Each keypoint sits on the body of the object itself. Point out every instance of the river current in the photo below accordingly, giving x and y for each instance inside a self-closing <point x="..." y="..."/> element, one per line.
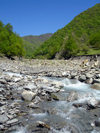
<point x="62" y="116"/>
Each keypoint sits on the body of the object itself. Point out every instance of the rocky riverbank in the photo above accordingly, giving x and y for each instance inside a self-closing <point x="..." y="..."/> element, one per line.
<point x="27" y="86"/>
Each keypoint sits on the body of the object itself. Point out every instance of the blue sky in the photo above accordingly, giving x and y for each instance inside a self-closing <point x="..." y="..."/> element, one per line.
<point x="35" y="17"/>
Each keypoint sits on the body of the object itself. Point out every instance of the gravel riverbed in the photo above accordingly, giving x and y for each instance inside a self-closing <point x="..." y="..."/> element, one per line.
<point x="50" y="96"/>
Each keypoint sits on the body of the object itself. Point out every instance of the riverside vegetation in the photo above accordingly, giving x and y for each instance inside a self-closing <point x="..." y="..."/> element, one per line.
<point x="80" y="37"/>
<point x="10" y="43"/>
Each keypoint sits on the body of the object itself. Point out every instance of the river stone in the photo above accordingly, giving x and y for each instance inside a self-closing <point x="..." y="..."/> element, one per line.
<point x="54" y="96"/>
<point x="57" y="84"/>
<point x="96" y="81"/>
<point x="93" y="102"/>
<point x="37" y="100"/>
<point x="49" y="89"/>
<point x="3" y="81"/>
<point x="72" y="96"/>
<point x="97" y="123"/>
<point x="1" y="127"/>
<point x="97" y="75"/>
<point x="73" y="74"/>
<point x="33" y="105"/>
<point x="11" y="122"/>
<point x="30" y="87"/>
<point x="43" y="124"/>
<point x="82" y="78"/>
<point x="2" y="103"/>
<point x="96" y="86"/>
<point x="16" y="79"/>
<point x="2" y="89"/>
<point x="89" y="81"/>
<point x="88" y="75"/>
<point x="28" y="95"/>
<point x="65" y="74"/>
<point x="3" y="118"/>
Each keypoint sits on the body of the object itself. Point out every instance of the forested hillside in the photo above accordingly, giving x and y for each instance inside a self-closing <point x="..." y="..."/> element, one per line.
<point x="10" y="43"/>
<point x="80" y="37"/>
<point x="32" y="42"/>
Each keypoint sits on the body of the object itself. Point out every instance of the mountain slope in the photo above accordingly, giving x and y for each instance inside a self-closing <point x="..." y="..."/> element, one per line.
<point x="74" y="38"/>
<point x="32" y="42"/>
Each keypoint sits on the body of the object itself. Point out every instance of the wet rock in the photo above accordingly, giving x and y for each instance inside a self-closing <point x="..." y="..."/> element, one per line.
<point x="16" y="79"/>
<point x="97" y="123"/>
<point x="28" y="95"/>
<point x="73" y="75"/>
<point x="50" y="89"/>
<point x="96" y="81"/>
<point x="82" y="78"/>
<point x="89" y="76"/>
<point x="77" y="105"/>
<point x="3" y="118"/>
<point x="37" y="100"/>
<point x="97" y="75"/>
<point x="90" y="107"/>
<point x="1" y="127"/>
<point x="93" y="101"/>
<point x="2" y="81"/>
<point x="2" y="103"/>
<point x="10" y="116"/>
<point x="89" y="81"/>
<point x="96" y="63"/>
<point x="65" y="74"/>
<point x="57" y="84"/>
<point x="30" y="87"/>
<point x="12" y="122"/>
<point x="43" y="125"/>
<point x="54" y="96"/>
<point x="2" y="90"/>
<point x="32" y="105"/>
<point x="96" y="86"/>
<point x="72" y="96"/>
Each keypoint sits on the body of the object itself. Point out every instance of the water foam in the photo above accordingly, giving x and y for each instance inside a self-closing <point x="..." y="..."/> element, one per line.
<point x="40" y="115"/>
<point x="64" y="130"/>
<point x="21" y="130"/>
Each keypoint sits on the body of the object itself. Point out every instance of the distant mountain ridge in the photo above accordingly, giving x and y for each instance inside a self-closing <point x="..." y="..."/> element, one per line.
<point x="37" y="39"/>
<point x="31" y="42"/>
<point x="79" y="37"/>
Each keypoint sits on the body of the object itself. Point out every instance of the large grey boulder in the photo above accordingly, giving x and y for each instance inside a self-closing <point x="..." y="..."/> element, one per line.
<point x="28" y="95"/>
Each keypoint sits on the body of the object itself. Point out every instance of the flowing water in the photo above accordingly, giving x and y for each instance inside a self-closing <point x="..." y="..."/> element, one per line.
<point x="62" y="116"/>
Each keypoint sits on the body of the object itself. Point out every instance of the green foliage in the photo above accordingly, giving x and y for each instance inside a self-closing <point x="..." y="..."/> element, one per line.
<point x="33" y="42"/>
<point x="70" y="47"/>
<point x="10" y="43"/>
<point x="74" y="37"/>
<point x="94" y="40"/>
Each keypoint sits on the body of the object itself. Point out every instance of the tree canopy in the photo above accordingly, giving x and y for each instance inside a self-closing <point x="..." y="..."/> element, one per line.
<point x="10" y="43"/>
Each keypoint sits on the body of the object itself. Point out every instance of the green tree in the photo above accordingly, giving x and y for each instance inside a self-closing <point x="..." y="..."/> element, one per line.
<point x="10" y="43"/>
<point x="70" y="47"/>
<point x="94" y="40"/>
